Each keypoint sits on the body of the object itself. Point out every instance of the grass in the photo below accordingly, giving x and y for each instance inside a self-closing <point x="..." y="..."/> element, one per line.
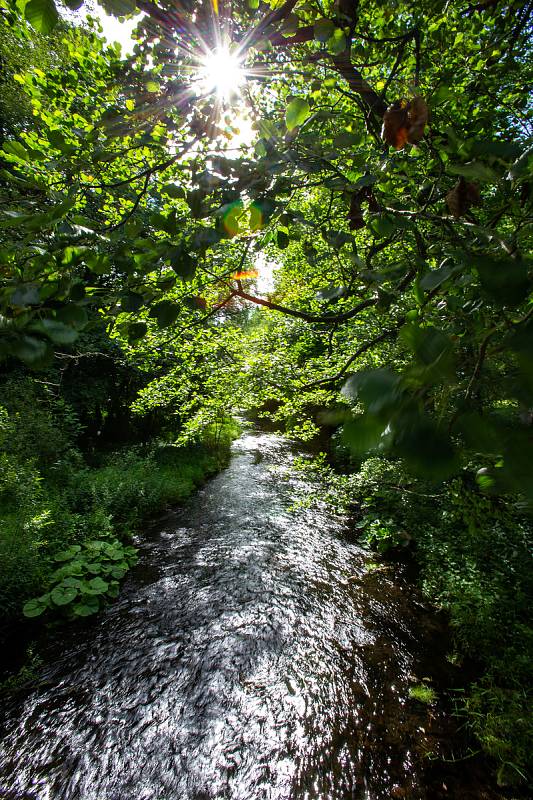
<point x="423" y="693"/>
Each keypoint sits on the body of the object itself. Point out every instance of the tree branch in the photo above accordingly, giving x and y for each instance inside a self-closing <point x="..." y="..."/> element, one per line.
<point x="360" y="350"/>
<point x="291" y="312"/>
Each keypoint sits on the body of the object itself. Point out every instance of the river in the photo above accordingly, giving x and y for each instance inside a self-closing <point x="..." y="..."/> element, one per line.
<point x="254" y="654"/>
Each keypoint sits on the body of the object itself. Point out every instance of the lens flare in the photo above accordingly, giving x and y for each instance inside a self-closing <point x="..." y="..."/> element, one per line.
<point x="245" y="273"/>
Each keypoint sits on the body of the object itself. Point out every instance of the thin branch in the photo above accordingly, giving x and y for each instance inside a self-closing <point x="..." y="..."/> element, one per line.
<point x="479" y="364"/>
<point x="149" y="171"/>
<point x="133" y="209"/>
<point x="360" y="350"/>
<point x="291" y="312"/>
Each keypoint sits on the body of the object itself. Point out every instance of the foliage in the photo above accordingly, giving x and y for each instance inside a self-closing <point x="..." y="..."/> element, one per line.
<point x="64" y="522"/>
<point x="25" y="675"/>
<point x="89" y="574"/>
<point x="474" y="551"/>
<point x="122" y="197"/>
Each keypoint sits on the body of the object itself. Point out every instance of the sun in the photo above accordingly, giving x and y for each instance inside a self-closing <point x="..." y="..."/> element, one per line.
<point x="222" y="73"/>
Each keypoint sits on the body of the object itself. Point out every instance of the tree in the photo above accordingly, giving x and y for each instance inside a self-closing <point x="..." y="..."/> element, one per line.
<point x="401" y="231"/>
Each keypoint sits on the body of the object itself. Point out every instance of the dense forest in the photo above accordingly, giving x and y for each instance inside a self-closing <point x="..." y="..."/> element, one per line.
<point x="312" y="213"/>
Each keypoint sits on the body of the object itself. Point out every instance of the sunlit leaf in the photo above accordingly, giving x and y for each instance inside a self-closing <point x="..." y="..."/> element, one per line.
<point x="296" y="113"/>
<point x="41" y="14"/>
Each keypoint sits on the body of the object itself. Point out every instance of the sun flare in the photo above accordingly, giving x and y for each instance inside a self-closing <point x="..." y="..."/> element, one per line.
<point x="222" y="73"/>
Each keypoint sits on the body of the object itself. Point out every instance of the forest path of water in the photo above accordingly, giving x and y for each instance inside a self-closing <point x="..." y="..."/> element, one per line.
<point x="252" y="656"/>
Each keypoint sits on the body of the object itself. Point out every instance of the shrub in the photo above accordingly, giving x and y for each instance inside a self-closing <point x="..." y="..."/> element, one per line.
<point x="474" y="553"/>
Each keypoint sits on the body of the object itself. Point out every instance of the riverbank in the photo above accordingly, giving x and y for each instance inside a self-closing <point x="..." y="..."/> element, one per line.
<point x="471" y="553"/>
<point x="66" y="539"/>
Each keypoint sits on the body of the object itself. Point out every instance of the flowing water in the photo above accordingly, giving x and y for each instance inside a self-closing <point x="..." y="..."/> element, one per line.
<point x="253" y="655"/>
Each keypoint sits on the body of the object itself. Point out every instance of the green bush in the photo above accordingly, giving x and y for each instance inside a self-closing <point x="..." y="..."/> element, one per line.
<point x="474" y="551"/>
<point x="37" y="427"/>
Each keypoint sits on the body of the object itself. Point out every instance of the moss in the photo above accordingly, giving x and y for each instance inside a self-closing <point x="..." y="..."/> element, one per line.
<point x="423" y="693"/>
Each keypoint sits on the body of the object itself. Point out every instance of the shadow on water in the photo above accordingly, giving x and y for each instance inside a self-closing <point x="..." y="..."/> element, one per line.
<point x="252" y="656"/>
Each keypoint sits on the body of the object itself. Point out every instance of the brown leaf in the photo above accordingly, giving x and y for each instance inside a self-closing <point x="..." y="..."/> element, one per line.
<point x="462" y="197"/>
<point x="355" y="215"/>
<point x="405" y="121"/>
<point x="417" y="117"/>
<point x="396" y="124"/>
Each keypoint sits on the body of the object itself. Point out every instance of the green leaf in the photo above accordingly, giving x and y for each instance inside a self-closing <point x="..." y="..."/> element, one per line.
<point x="35" y="607"/>
<point x="436" y="277"/>
<point x="131" y="301"/>
<point x="337" y="42"/>
<point x="74" y="582"/>
<point x="57" y="331"/>
<point x="26" y="294"/>
<point x="13" y="219"/>
<point x="349" y="139"/>
<point x="426" y="447"/>
<point x="136" y="331"/>
<point x="119" y="8"/>
<point x="296" y="113"/>
<point x="282" y="240"/>
<point x="72" y="314"/>
<point x="118" y="572"/>
<point x="113" y="589"/>
<point x="98" y="263"/>
<point x="89" y="605"/>
<point x="433" y="351"/>
<point x="77" y="292"/>
<point x="363" y="433"/>
<point x="475" y="170"/>
<point x="331" y="293"/>
<point x="57" y="139"/>
<point x="382" y="225"/>
<point x="16" y="149"/>
<point x="37" y="222"/>
<point x="98" y="586"/>
<point x="323" y="30"/>
<point x="505" y="281"/>
<point x="62" y="595"/>
<point x="173" y="190"/>
<point x="167" y="223"/>
<point x="522" y="166"/>
<point x="66" y="555"/>
<point x="42" y="15"/>
<point x="182" y="263"/>
<point x="377" y="389"/>
<point x="152" y="86"/>
<point x="33" y="352"/>
<point x="428" y="344"/>
<point x="165" y="312"/>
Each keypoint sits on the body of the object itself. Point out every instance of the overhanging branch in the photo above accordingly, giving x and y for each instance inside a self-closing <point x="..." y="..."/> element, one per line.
<point x="291" y="312"/>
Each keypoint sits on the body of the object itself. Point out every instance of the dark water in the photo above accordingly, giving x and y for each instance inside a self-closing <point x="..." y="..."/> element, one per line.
<point x="252" y="656"/>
